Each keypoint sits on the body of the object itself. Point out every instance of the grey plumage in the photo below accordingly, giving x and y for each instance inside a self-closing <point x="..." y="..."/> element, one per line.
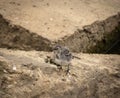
<point x="62" y="56"/>
<point x="62" y="53"/>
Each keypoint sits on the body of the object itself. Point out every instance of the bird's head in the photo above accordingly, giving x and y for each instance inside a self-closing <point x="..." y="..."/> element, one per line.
<point x="57" y="47"/>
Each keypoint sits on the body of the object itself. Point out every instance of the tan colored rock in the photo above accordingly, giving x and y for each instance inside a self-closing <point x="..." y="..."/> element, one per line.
<point x="93" y="76"/>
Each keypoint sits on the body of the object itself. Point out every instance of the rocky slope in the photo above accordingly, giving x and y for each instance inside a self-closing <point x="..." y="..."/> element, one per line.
<point x="90" y="26"/>
<point x="98" y="37"/>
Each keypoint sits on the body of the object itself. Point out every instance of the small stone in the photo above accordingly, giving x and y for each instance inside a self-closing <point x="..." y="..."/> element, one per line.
<point x="4" y="71"/>
<point x="34" y="6"/>
<point x="14" y="68"/>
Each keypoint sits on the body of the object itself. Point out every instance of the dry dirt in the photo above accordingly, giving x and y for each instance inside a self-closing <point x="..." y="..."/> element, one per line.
<point x="26" y="75"/>
<point x="35" y="24"/>
<point x="55" y="19"/>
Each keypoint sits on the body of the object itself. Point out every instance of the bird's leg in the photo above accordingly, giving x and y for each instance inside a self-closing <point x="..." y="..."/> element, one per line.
<point x="68" y="69"/>
<point x="59" y="67"/>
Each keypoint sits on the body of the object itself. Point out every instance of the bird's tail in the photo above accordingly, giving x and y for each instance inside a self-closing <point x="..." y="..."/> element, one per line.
<point x="76" y="57"/>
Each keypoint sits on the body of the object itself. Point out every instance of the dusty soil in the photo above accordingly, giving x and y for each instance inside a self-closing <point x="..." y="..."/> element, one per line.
<point x="53" y="19"/>
<point x="26" y="75"/>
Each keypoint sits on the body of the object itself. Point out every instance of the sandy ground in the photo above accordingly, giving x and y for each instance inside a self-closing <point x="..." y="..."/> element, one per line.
<point x="26" y="75"/>
<point x="54" y="19"/>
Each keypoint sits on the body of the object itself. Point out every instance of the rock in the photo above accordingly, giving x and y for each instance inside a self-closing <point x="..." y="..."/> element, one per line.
<point x="92" y="76"/>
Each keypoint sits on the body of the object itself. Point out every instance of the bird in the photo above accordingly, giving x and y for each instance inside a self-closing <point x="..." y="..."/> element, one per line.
<point x="62" y="57"/>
